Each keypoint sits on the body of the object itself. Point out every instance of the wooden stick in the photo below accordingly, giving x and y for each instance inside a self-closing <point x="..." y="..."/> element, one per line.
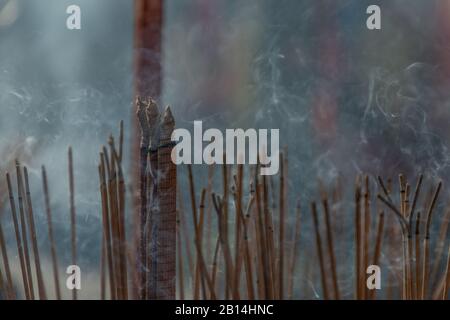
<point x="377" y="250"/>
<point x="418" y="258"/>
<point x="33" y="237"/>
<point x="24" y="230"/>
<point x="18" y="238"/>
<point x="238" y="222"/>
<point x="102" y="266"/>
<point x="107" y="227"/>
<point x="268" y="225"/>
<point x="426" y="262"/>
<point x="121" y="220"/>
<point x="281" y="240"/>
<point x="261" y="240"/>
<point x="72" y="215"/>
<point x="214" y="269"/>
<point x="200" y="259"/>
<point x="10" y="293"/>
<point x="295" y="246"/>
<point x="440" y="246"/>
<point x="185" y="233"/>
<point x="330" y="241"/>
<point x="247" y="258"/>
<point x="180" y="261"/>
<point x="198" y="235"/>
<point x="319" y="251"/>
<point x="366" y="236"/>
<point x="447" y="277"/>
<point x="48" y="211"/>
<point x="358" y="241"/>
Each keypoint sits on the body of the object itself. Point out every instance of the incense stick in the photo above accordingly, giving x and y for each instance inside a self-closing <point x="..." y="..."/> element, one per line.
<point x="319" y="251"/>
<point x="50" y="233"/>
<point x="72" y="215"/>
<point x="18" y="238"/>
<point x="20" y="192"/>
<point x="33" y="237"/>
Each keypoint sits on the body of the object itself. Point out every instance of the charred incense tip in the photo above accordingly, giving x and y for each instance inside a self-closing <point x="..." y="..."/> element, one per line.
<point x="152" y="114"/>
<point x="167" y="125"/>
<point x="142" y="118"/>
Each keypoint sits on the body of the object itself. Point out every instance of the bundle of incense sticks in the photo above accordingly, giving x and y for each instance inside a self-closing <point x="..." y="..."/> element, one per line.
<point x="240" y="241"/>
<point x="156" y="258"/>
<point x="261" y="260"/>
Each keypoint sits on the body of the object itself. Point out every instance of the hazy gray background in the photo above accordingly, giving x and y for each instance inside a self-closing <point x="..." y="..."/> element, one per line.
<point x="346" y="99"/>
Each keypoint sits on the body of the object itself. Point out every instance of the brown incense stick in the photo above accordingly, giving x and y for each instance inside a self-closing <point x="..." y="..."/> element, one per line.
<point x="21" y="192"/>
<point x="106" y="226"/>
<point x="378" y="244"/>
<point x="319" y="251"/>
<point x="295" y="244"/>
<point x="72" y="215"/>
<point x="282" y="218"/>
<point x="426" y="253"/>
<point x="10" y="294"/>
<point x="50" y="234"/>
<point x="418" y="258"/>
<point x="358" y="240"/>
<point x="180" y="260"/>
<point x="33" y="238"/>
<point x="330" y="241"/>
<point x="18" y="238"/>
<point x="366" y="235"/>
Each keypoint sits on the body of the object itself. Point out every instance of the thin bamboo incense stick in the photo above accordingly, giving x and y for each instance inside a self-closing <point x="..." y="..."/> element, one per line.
<point x="319" y="251"/>
<point x="121" y="220"/>
<point x="293" y="260"/>
<point x="281" y="252"/>
<point x="180" y="260"/>
<point x="440" y="246"/>
<point x="418" y="258"/>
<point x="18" y="238"/>
<point x="238" y="223"/>
<point x="366" y="235"/>
<point x="200" y="259"/>
<point x="247" y="258"/>
<point x="20" y="192"/>
<point x="115" y="226"/>
<point x="50" y="234"/>
<point x="268" y="225"/>
<point x="72" y="215"/>
<point x="447" y="277"/>
<point x="33" y="237"/>
<point x="102" y="266"/>
<point x="330" y="242"/>
<point x="426" y="262"/>
<point x="198" y="228"/>
<point x="185" y="233"/>
<point x="214" y="269"/>
<point x="106" y="226"/>
<point x="378" y="244"/>
<point x="358" y="241"/>
<point x="261" y="235"/>
<point x="10" y="294"/>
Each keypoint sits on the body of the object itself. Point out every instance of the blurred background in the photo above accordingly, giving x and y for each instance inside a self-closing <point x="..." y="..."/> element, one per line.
<point x="346" y="99"/>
